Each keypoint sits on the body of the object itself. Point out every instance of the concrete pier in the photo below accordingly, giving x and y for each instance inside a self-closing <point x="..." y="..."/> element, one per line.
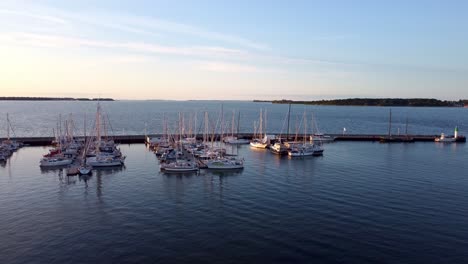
<point x="133" y="139"/>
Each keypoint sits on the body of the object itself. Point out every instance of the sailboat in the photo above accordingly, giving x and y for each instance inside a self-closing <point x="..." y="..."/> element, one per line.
<point x="279" y="148"/>
<point x="85" y="169"/>
<point x="396" y="139"/>
<point x="235" y="140"/>
<point x="260" y="139"/>
<point x="181" y="163"/>
<point x="56" y="157"/>
<point x="10" y="144"/>
<point x="311" y="148"/>
<point x="105" y="154"/>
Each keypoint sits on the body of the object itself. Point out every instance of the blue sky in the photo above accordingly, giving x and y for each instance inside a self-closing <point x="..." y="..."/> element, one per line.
<point x="234" y="49"/>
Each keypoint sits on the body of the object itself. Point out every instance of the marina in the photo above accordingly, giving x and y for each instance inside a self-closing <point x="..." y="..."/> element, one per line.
<point x="355" y="192"/>
<point x="191" y="187"/>
<point x="138" y="139"/>
<point x="329" y="132"/>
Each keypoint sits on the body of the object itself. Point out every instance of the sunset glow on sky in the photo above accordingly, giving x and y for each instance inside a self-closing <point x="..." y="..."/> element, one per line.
<point x="234" y="49"/>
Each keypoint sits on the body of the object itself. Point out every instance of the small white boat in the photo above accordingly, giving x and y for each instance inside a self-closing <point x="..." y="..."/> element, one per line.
<point x="105" y="161"/>
<point x="258" y="144"/>
<point x="225" y="163"/>
<point x="322" y="138"/>
<point x="279" y="148"/>
<point x="456" y="138"/>
<point x="235" y="141"/>
<point x="306" y="150"/>
<point x="54" y="162"/>
<point x="179" y="166"/>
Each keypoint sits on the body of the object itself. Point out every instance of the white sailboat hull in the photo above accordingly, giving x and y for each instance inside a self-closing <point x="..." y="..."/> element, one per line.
<point x="258" y="145"/>
<point x="85" y="170"/>
<point x="104" y="162"/>
<point x="236" y="141"/>
<point x="224" y="164"/>
<point x="179" y="166"/>
<point x="55" y="162"/>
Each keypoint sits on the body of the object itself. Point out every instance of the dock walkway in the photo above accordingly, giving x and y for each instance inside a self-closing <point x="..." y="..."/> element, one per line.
<point x="136" y="139"/>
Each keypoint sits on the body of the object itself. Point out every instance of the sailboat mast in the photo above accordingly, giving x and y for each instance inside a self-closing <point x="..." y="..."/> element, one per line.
<point x="233" y="123"/>
<point x="390" y="124"/>
<point x="305" y="127"/>
<point x="406" y="128"/>
<point x="289" y="112"/>
<point x="260" y="128"/>
<point x="238" y="124"/>
<point x="8" y="126"/>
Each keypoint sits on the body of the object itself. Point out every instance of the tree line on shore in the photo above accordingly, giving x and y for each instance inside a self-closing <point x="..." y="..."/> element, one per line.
<point x="52" y="99"/>
<point x="376" y="102"/>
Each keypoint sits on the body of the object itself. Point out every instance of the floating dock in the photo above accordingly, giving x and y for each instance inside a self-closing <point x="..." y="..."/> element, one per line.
<point x="135" y="139"/>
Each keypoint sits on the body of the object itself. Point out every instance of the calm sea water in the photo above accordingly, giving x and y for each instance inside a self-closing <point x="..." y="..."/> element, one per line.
<point x="132" y="117"/>
<point x="361" y="202"/>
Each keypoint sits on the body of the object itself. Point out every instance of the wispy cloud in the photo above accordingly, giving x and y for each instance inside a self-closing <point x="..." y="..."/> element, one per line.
<point x="33" y="16"/>
<point x="218" y="66"/>
<point x="134" y="24"/>
<point x="160" y="25"/>
<point x="43" y="40"/>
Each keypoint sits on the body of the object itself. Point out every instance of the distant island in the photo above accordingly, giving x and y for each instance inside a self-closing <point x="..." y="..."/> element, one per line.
<point x="53" y="99"/>
<point x="417" y="102"/>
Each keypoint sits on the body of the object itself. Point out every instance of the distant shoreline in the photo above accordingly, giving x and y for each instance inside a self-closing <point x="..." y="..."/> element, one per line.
<point x="413" y="102"/>
<point x="53" y="99"/>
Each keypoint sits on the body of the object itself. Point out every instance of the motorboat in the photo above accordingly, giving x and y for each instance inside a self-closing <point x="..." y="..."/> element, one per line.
<point x="322" y="138"/>
<point x="279" y="148"/>
<point x="448" y="139"/>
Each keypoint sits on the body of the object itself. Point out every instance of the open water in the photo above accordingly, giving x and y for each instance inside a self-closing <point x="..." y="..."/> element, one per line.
<point x="362" y="202"/>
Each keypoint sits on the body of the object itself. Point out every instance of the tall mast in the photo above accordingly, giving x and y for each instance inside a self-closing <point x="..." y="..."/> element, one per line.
<point x="406" y="129"/>
<point x="98" y="125"/>
<point x="8" y="126"/>
<point x="390" y="124"/>
<point x="195" y="125"/>
<point x="205" y="136"/>
<point x="232" y="123"/>
<point x="305" y="126"/>
<point x="222" y="124"/>
<point x="180" y="130"/>
<point x="260" y="127"/>
<point x="84" y="131"/>
<point x="289" y="112"/>
<point x="238" y="123"/>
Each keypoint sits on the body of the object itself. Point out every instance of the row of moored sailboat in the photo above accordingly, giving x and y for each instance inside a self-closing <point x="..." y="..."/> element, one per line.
<point x="82" y="154"/>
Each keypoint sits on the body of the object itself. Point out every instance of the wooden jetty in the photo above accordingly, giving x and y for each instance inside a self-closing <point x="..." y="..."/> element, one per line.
<point x="134" y="139"/>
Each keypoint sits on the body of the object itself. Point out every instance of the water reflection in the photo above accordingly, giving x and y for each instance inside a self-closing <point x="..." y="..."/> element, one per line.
<point x="180" y="174"/>
<point x="48" y="170"/>
<point x="107" y="171"/>
<point x="222" y="173"/>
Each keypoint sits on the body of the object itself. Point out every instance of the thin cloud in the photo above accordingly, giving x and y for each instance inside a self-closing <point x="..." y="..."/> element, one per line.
<point x="217" y="66"/>
<point x="33" y="16"/>
<point x="154" y="25"/>
<point x="134" y="24"/>
<point x="42" y="40"/>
